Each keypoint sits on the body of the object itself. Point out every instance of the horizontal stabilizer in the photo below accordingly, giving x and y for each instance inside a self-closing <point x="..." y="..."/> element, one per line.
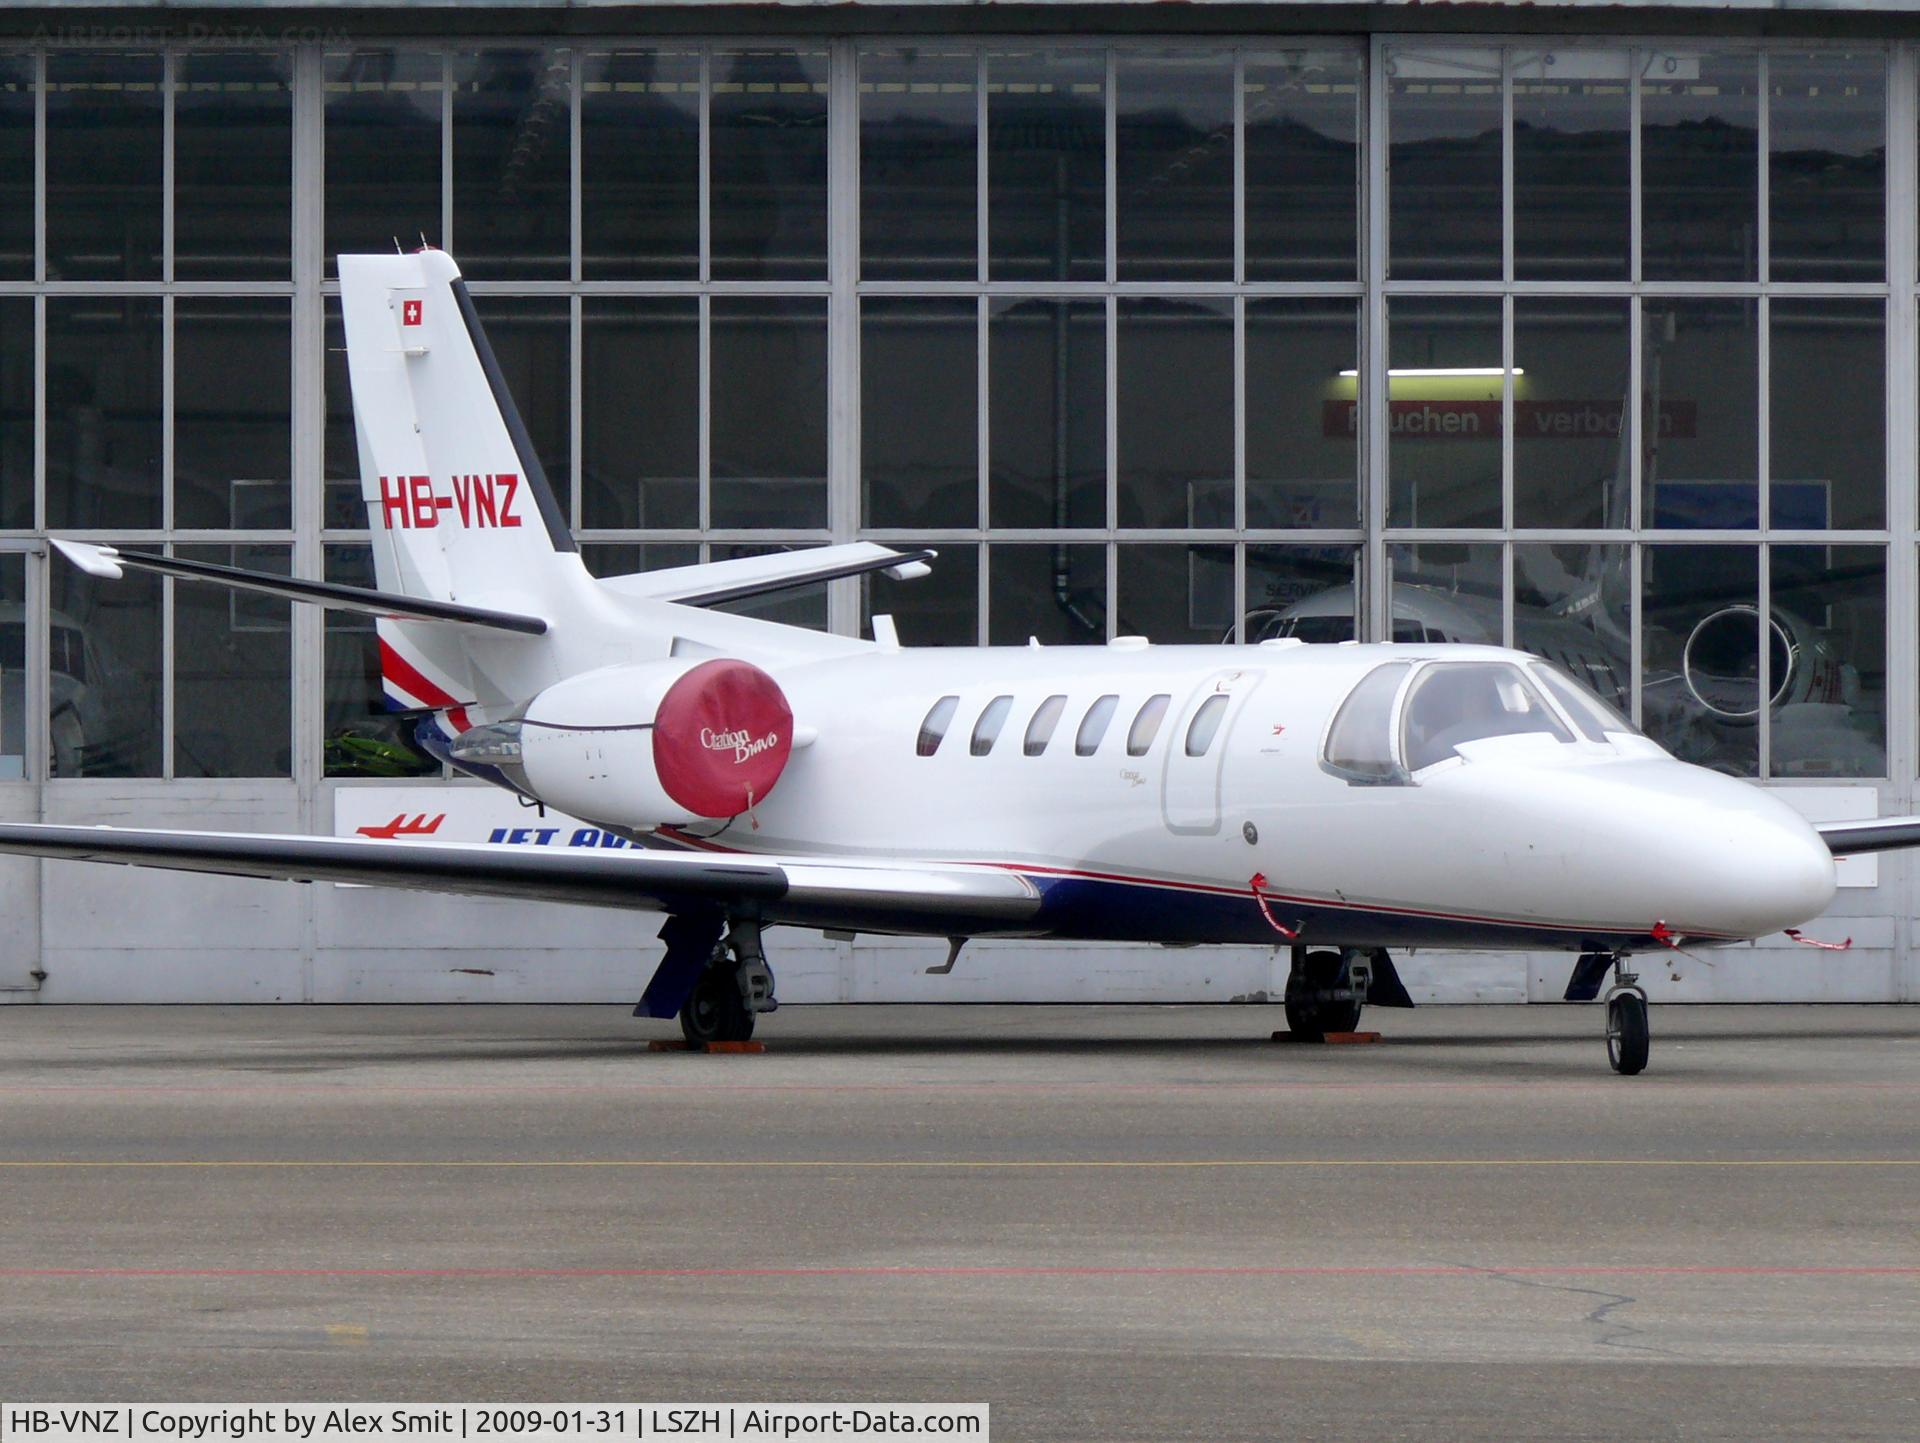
<point x="879" y="895"/>
<point x="108" y="563"/>
<point x="1878" y="834"/>
<point x="713" y="582"/>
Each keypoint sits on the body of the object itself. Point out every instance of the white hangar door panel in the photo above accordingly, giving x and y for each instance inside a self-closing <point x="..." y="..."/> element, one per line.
<point x="1197" y="749"/>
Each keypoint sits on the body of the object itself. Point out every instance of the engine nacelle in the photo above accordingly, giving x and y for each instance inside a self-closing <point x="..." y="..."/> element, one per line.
<point x="656" y="743"/>
<point x="1721" y="662"/>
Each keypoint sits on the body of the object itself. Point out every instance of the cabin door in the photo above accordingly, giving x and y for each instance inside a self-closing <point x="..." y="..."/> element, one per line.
<point x="1197" y="750"/>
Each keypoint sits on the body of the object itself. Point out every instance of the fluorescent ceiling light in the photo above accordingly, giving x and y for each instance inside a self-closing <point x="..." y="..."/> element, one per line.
<point x="1446" y="371"/>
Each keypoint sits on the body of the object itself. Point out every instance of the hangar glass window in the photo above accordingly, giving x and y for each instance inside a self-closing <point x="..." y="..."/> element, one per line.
<point x="919" y="434"/>
<point x="1445" y="159"/>
<point x="1360" y="741"/>
<point x="1703" y="476"/>
<point x="17" y="403"/>
<point x="768" y="427"/>
<point x="233" y="166"/>
<point x="1174" y="406"/>
<point x="1146" y="725"/>
<point x="1571" y="456"/>
<point x="1046" y="165"/>
<point x="919" y="164"/>
<point x="103" y="399"/>
<point x="1093" y="726"/>
<point x="383" y="149"/>
<point x="362" y="737"/>
<point x="986" y="731"/>
<point x="232" y="413"/>
<point x="512" y="162"/>
<point x="106" y="121"/>
<point x="1699" y="165"/>
<point x="63" y="644"/>
<point x="1045" y="718"/>
<point x="17" y="105"/>
<point x="1173" y="165"/>
<point x="1459" y="702"/>
<point x="1205" y="725"/>
<point x="767" y="132"/>
<point x="1827" y="458"/>
<point x="640" y="445"/>
<point x="1046" y="412"/>
<point x="233" y="670"/>
<point x="934" y="729"/>
<point x="1302" y="436"/>
<point x="108" y="721"/>
<point x="640" y="165"/>
<point x="1572" y="163"/>
<point x="1829" y="719"/>
<point x="1302" y="165"/>
<point x="1826" y="166"/>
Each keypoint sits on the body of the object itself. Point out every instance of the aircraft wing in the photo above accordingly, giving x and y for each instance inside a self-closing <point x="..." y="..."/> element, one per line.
<point x="876" y="895"/>
<point x="1877" y="834"/>
<point x="110" y="563"/>
<point x="712" y="582"/>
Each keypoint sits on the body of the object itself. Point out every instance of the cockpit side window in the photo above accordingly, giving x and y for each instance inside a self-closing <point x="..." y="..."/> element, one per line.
<point x="1360" y="741"/>
<point x="1592" y="715"/>
<point x="1471" y="701"/>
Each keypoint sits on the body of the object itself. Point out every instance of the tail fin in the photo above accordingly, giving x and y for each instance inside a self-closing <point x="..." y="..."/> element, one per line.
<point x="457" y="501"/>
<point x="458" y="504"/>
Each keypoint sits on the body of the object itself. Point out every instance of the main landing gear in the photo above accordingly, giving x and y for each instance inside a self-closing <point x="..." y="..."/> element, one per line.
<point x="736" y="986"/>
<point x="714" y="977"/>
<point x="1327" y="989"/>
<point x="1626" y="1003"/>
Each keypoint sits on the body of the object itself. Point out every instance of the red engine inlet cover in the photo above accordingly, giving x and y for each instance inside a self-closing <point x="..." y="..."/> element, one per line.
<point x="721" y="738"/>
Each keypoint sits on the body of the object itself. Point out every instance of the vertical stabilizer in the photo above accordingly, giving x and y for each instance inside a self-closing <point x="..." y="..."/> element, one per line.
<point x="458" y="504"/>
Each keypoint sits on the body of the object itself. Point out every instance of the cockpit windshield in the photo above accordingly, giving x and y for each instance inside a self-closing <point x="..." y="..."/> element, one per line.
<point x="1592" y="715"/>
<point x="1470" y="701"/>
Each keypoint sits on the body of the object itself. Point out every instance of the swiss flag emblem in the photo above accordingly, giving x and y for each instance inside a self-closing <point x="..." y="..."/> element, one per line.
<point x="409" y="313"/>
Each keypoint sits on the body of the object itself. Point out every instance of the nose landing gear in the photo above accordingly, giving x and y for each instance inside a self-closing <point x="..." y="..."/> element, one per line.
<point x="1627" y="1037"/>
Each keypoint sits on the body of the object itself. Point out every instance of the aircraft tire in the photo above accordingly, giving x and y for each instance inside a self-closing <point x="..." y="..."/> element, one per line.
<point x="1627" y="1037"/>
<point x="1307" y="1015"/>
<point x="715" y="1012"/>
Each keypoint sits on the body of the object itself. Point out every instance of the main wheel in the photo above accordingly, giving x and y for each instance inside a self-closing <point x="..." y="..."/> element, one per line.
<point x="1627" y="1038"/>
<point x="715" y="1012"/>
<point x="1309" y="1016"/>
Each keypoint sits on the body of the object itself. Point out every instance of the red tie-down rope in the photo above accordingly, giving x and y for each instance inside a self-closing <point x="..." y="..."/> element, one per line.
<point x="1256" y="882"/>
<point x="1663" y="934"/>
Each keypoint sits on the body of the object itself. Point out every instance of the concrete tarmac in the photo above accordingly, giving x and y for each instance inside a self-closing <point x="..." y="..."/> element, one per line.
<point x="1108" y="1223"/>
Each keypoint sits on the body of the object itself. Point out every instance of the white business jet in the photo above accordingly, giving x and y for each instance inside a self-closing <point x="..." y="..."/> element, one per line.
<point x="1337" y="799"/>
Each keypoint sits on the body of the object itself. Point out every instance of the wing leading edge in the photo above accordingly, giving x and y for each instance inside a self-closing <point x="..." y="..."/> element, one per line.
<point x="869" y="895"/>
<point x="1877" y="834"/>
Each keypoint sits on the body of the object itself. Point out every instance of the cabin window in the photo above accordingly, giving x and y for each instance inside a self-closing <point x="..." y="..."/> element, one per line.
<point x="934" y="728"/>
<point x="1592" y="715"/>
<point x="1360" y="741"/>
<point x="986" y="731"/>
<point x="1045" y="718"/>
<point x="1146" y="725"/>
<point x="1409" y="632"/>
<point x="1469" y="702"/>
<point x="1205" y="725"/>
<point x="1093" y="725"/>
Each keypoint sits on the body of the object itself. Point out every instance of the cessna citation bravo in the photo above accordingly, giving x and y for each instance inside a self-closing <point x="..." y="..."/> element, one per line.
<point x="1341" y="800"/>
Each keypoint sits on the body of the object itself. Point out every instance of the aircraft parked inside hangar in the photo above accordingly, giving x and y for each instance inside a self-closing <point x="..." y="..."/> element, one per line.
<point x="1339" y="799"/>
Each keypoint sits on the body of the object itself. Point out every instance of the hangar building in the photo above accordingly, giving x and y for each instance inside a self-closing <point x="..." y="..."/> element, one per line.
<point x="1587" y="327"/>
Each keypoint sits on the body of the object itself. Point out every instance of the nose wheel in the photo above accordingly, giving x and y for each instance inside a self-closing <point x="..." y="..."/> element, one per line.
<point x="1627" y="1036"/>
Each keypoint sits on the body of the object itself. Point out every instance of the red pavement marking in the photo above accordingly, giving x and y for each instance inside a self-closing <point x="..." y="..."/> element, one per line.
<point x="1679" y="1270"/>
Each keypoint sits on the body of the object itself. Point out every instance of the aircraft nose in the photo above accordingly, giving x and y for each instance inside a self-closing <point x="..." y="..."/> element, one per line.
<point x="1762" y="868"/>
